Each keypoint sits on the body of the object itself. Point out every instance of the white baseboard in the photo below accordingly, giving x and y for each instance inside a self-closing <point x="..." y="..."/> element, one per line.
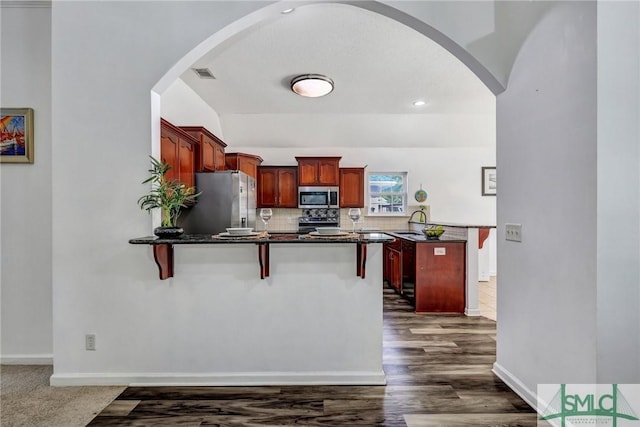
<point x="516" y="385"/>
<point x="26" y="359"/>
<point x="237" y="379"/>
<point x="472" y="312"/>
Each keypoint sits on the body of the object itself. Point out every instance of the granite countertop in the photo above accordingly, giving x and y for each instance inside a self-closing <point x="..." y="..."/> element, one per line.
<point x="459" y="225"/>
<point x="194" y="239"/>
<point x="418" y="237"/>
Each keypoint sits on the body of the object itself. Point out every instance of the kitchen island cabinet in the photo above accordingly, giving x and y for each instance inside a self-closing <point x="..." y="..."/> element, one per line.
<point x="318" y="171"/>
<point x="352" y="187"/>
<point x="430" y="274"/>
<point x="277" y="187"/>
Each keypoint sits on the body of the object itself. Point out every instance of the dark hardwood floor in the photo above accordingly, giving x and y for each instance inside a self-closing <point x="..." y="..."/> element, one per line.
<point x="438" y="372"/>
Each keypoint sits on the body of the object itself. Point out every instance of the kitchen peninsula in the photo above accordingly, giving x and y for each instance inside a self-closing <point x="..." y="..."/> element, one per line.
<point x="163" y="247"/>
<point x="315" y="318"/>
<point x="429" y="273"/>
<point x="475" y="236"/>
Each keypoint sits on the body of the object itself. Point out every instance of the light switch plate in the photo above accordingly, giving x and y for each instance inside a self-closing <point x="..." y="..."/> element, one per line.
<point x="513" y="232"/>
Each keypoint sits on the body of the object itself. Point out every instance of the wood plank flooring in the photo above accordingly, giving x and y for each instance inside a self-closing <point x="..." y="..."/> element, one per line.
<point x="438" y="372"/>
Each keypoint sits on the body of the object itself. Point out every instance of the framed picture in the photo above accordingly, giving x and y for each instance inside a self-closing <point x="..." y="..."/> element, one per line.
<point x="16" y="135"/>
<point x="488" y="181"/>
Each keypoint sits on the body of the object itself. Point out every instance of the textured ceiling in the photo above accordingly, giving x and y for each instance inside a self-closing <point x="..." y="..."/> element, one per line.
<point x="379" y="67"/>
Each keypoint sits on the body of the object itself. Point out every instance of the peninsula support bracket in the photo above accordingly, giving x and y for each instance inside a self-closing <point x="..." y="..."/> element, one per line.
<point x="361" y="259"/>
<point x="163" y="255"/>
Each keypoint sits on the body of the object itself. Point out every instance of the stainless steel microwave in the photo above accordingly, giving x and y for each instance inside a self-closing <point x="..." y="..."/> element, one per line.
<point x="318" y="197"/>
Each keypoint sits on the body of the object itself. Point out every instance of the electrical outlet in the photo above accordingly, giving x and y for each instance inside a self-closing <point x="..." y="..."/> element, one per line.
<point x="90" y="342"/>
<point x="513" y="232"/>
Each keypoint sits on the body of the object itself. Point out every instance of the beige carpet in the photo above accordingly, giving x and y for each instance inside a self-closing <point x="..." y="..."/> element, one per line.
<point x="26" y="399"/>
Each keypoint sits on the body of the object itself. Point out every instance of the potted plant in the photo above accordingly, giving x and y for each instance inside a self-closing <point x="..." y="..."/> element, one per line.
<point x="170" y="196"/>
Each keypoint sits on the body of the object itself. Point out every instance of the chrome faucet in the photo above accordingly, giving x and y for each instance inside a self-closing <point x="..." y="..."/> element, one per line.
<point x="423" y="216"/>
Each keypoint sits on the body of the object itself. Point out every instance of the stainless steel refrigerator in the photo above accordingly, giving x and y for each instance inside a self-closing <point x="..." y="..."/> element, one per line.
<point x="228" y="199"/>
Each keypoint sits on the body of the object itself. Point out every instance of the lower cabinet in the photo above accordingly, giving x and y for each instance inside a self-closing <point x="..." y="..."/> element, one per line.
<point x="431" y="276"/>
<point x="392" y="265"/>
<point x="440" y="277"/>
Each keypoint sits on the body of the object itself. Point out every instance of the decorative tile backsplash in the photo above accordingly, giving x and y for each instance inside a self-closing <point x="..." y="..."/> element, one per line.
<point x="287" y="220"/>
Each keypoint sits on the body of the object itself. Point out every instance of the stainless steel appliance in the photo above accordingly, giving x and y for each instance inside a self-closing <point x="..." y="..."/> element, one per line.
<point x="317" y="217"/>
<point x="318" y="197"/>
<point x="228" y="199"/>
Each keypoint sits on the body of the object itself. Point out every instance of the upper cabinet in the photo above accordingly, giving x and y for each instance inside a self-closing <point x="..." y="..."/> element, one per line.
<point x="210" y="150"/>
<point x="247" y="163"/>
<point x="177" y="149"/>
<point x="318" y="171"/>
<point x="277" y="187"/>
<point x="352" y="187"/>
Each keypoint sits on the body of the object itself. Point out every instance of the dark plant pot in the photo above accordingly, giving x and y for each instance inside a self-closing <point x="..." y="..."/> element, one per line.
<point x="168" y="232"/>
<point x="432" y="237"/>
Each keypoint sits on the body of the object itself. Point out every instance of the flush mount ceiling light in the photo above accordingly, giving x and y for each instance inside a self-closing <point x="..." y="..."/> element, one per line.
<point x="312" y="85"/>
<point x="419" y="103"/>
<point x="287" y="11"/>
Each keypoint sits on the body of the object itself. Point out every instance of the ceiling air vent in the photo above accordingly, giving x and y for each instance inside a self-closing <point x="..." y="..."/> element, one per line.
<point x="204" y="73"/>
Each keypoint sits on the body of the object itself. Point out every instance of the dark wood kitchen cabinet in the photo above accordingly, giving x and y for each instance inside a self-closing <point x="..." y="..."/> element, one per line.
<point x="210" y="149"/>
<point x="352" y="187"/>
<point x="430" y="275"/>
<point x="177" y="149"/>
<point x="247" y="163"/>
<point x="392" y="264"/>
<point x="277" y="187"/>
<point x="439" y="277"/>
<point x="318" y="171"/>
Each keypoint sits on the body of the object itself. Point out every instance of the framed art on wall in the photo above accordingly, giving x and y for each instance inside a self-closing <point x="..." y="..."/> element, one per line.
<point x="16" y="135"/>
<point x="488" y="181"/>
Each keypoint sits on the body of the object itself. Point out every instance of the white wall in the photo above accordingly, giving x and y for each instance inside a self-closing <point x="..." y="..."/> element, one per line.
<point x="546" y="155"/>
<point x="102" y="284"/>
<point x="618" y="192"/>
<point x="25" y="196"/>
<point x="181" y="106"/>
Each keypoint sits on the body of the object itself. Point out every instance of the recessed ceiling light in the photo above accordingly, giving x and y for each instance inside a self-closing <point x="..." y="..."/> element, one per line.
<point x="419" y="103"/>
<point x="312" y="85"/>
<point x="286" y="11"/>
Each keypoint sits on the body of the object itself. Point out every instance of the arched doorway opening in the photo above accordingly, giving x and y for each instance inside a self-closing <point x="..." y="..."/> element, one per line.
<point x="277" y="127"/>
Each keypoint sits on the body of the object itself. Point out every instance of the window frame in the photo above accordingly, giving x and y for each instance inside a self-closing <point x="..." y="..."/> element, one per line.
<point x="404" y="194"/>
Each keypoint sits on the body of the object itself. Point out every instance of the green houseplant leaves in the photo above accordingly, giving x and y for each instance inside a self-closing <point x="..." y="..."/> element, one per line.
<point x="170" y="196"/>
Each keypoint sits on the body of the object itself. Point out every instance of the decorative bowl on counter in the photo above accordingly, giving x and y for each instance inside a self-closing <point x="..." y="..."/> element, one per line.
<point x="433" y="233"/>
<point x="239" y="231"/>
<point x="328" y="230"/>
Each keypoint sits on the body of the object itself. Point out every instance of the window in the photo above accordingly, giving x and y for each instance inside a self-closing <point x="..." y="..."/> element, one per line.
<point x="387" y="193"/>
